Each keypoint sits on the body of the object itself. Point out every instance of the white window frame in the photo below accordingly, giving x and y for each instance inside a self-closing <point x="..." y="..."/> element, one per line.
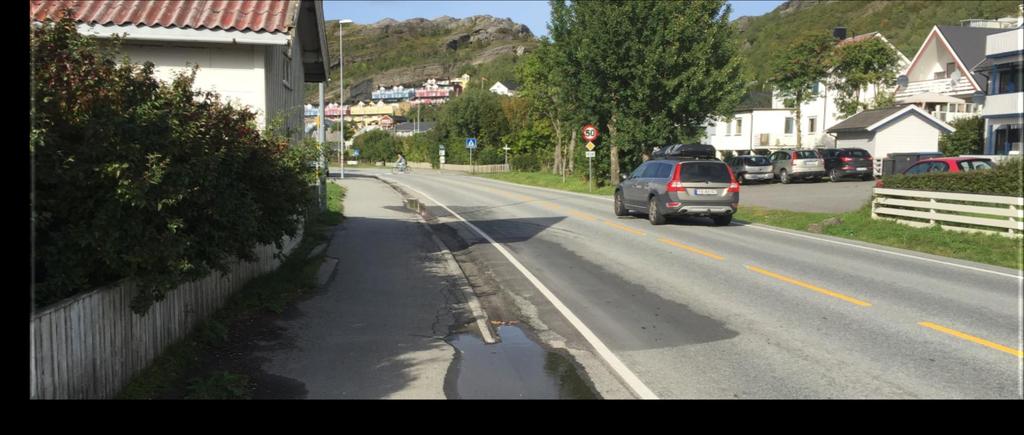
<point x="788" y="124"/>
<point x="812" y="124"/>
<point x="739" y="126"/>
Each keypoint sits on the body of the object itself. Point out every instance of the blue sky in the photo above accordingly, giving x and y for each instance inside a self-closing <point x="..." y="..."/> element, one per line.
<point x="534" y="14"/>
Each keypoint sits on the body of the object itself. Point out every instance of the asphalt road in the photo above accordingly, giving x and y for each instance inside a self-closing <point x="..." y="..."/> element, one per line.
<point x="743" y="311"/>
<point x="823" y="196"/>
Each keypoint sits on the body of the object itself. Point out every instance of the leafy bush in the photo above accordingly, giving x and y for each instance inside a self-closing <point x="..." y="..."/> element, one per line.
<point x="139" y="179"/>
<point x="967" y="139"/>
<point x="378" y="146"/>
<point x="1004" y="179"/>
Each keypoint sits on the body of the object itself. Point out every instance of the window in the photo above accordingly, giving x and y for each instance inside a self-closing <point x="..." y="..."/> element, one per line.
<point x="697" y="172"/>
<point x="789" y="125"/>
<point x="950" y="67"/>
<point x="739" y="127"/>
<point x="650" y="171"/>
<point x="636" y="173"/>
<point x="1009" y="80"/>
<point x="728" y="128"/>
<point x="812" y="124"/>
<point x="816" y="88"/>
<point x="970" y="165"/>
<point x="664" y="170"/>
<point x="938" y="167"/>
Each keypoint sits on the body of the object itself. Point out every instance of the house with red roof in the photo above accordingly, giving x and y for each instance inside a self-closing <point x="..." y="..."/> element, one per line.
<point x="254" y="53"/>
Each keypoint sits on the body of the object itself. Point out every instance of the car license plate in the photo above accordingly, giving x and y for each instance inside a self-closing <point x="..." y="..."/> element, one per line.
<point x="707" y="191"/>
<point x="862" y="169"/>
<point x="810" y="162"/>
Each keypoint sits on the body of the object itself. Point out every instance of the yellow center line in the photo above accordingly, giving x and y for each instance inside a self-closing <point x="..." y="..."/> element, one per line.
<point x="691" y="249"/>
<point x="624" y="228"/>
<point x="581" y="215"/>
<point x="809" y="286"/>
<point x="549" y="205"/>
<point x="981" y="341"/>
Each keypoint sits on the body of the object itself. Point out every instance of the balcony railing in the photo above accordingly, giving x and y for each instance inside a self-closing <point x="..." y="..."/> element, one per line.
<point x="939" y="86"/>
<point x="1004" y="104"/>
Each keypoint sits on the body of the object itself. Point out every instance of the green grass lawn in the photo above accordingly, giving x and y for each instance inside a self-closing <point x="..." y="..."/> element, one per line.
<point x="856" y="225"/>
<point x="547" y="179"/>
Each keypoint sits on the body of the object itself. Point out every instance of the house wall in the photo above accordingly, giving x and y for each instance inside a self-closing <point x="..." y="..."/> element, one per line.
<point x="234" y="71"/>
<point x="908" y="133"/>
<point x="285" y="97"/>
<point x="863" y="140"/>
<point x="768" y="121"/>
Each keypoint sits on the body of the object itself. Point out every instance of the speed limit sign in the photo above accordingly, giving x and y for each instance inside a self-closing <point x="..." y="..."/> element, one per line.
<point x="589" y="132"/>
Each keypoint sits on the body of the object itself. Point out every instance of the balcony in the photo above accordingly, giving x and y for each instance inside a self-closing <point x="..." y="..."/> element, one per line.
<point x="938" y="86"/>
<point x="1004" y="104"/>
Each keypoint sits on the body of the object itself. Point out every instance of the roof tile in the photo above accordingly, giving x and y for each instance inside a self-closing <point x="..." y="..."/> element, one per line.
<point x="252" y="15"/>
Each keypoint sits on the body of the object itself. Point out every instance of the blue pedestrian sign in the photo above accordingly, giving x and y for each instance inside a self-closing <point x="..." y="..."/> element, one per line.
<point x="355" y="152"/>
<point x="471" y="143"/>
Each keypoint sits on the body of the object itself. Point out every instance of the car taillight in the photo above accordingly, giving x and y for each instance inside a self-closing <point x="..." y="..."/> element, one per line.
<point x="846" y="159"/>
<point x="734" y="187"/>
<point x="674" y="185"/>
<point x="793" y="155"/>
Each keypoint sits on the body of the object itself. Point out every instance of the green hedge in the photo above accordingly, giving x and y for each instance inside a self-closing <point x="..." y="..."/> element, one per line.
<point x="1004" y="179"/>
<point x="134" y="178"/>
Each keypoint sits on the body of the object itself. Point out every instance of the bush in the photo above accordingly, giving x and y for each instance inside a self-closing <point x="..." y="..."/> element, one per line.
<point x="378" y="146"/>
<point x="968" y="138"/>
<point x="1004" y="179"/>
<point x="144" y="180"/>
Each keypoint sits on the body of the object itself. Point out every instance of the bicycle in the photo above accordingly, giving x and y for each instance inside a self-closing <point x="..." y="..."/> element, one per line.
<point x="401" y="169"/>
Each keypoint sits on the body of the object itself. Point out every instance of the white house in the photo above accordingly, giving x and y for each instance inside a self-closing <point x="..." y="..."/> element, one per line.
<point x="891" y="130"/>
<point x="508" y="88"/>
<point x="941" y="77"/>
<point x="1004" y="102"/>
<point x="764" y="122"/>
<point x="253" y="53"/>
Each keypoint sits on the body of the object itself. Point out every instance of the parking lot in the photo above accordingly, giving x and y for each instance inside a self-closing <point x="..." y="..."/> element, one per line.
<point x="824" y="197"/>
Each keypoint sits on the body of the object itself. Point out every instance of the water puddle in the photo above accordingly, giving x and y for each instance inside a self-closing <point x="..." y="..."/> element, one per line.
<point x="515" y="368"/>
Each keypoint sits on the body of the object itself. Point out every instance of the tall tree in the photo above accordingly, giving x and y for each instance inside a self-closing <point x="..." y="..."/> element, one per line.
<point x="857" y="66"/>
<point x="543" y="87"/>
<point x="650" y="73"/>
<point x="798" y="69"/>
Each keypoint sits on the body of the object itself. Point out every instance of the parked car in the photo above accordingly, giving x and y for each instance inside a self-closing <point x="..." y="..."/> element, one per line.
<point x="751" y="168"/>
<point x="946" y="164"/>
<point x="949" y="164"/>
<point x="847" y="162"/>
<point x="789" y="165"/>
<point x="676" y="185"/>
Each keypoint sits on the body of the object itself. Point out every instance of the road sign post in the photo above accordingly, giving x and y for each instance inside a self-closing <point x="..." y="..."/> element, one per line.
<point x="506" y="157"/>
<point x="590" y="134"/>
<point x="471" y="145"/>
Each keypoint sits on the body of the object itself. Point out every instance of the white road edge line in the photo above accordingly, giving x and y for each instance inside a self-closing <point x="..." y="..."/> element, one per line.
<point x="766" y="228"/>
<point x="627" y="375"/>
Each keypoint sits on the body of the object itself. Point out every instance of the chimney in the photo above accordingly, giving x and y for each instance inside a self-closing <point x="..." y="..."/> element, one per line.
<point x="839" y="33"/>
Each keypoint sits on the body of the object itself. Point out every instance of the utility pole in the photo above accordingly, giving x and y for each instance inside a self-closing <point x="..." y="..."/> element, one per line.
<point x="341" y="95"/>
<point x="322" y="139"/>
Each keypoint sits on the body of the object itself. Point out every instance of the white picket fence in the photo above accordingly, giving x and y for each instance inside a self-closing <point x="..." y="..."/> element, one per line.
<point x="483" y="169"/>
<point x="1002" y="215"/>
<point x="89" y="346"/>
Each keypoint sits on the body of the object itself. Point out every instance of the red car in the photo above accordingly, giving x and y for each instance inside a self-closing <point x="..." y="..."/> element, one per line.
<point x="945" y="164"/>
<point x="948" y="164"/>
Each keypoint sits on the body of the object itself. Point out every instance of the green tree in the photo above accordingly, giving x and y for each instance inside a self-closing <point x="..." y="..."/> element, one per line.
<point x="969" y="137"/>
<point x="856" y="66"/>
<point x="798" y="69"/>
<point x="648" y="72"/>
<point x="476" y="113"/>
<point x="544" y="87"/>
<point x="378" y="146"/>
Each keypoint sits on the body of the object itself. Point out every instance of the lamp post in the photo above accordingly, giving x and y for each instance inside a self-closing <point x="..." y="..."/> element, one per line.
<point x="341" y="95"/>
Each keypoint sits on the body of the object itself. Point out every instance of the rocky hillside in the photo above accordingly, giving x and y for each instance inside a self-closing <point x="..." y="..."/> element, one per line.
<point x="391" y="52"/>
<point x="904" y="23"/>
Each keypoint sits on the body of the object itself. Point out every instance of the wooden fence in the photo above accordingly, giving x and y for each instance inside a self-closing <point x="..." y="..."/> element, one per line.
<point x="951" y="211"/>
<point x="89" y="346"/>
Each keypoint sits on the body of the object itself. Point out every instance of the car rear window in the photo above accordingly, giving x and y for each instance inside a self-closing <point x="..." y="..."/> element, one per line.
<point x="806" y="154"/>
<point x="757" y="161"/>
<point x="664" y="171"/>
<point x="857" y="153"/>
<point x="697" y="172"/>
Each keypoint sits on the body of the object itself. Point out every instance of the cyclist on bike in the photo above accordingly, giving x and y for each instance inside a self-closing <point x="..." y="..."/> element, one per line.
<point x="400" y="164"/>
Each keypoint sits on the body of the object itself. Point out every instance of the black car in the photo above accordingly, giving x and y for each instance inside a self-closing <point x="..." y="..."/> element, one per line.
<point x="847" y="162"/>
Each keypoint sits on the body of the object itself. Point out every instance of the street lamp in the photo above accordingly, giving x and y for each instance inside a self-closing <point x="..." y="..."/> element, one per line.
<point x="341" y="95"/>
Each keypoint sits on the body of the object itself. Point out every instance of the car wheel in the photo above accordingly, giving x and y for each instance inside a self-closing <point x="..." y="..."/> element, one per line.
<point x="834" y="176"/>
<point x="740" y="177"/>
<point x="722" y="221"/>
<point x="620" y="209"/>
<point x="784" y="177"/>
<point x="868" y="177"/>
<point x="652" y="213"/>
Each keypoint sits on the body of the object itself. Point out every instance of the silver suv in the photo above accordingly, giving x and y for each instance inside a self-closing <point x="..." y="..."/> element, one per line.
<point x="788" y="165"/>
<point x="751" y="168"/>
<point x="679" y="187"/>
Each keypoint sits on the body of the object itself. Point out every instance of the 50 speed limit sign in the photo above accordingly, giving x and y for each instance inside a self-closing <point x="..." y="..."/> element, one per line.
<point x="589" y="132"/>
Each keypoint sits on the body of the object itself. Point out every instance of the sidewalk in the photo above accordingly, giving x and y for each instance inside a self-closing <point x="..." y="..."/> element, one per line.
<point x="376" y="329"/>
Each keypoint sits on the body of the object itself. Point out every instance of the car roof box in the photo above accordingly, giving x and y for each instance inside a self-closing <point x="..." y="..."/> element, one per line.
<point x="685" y="151"/>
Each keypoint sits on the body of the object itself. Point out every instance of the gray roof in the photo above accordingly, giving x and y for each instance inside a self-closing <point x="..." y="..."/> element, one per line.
<point x="863" y="120"/>
<point x="969" y="45"/>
